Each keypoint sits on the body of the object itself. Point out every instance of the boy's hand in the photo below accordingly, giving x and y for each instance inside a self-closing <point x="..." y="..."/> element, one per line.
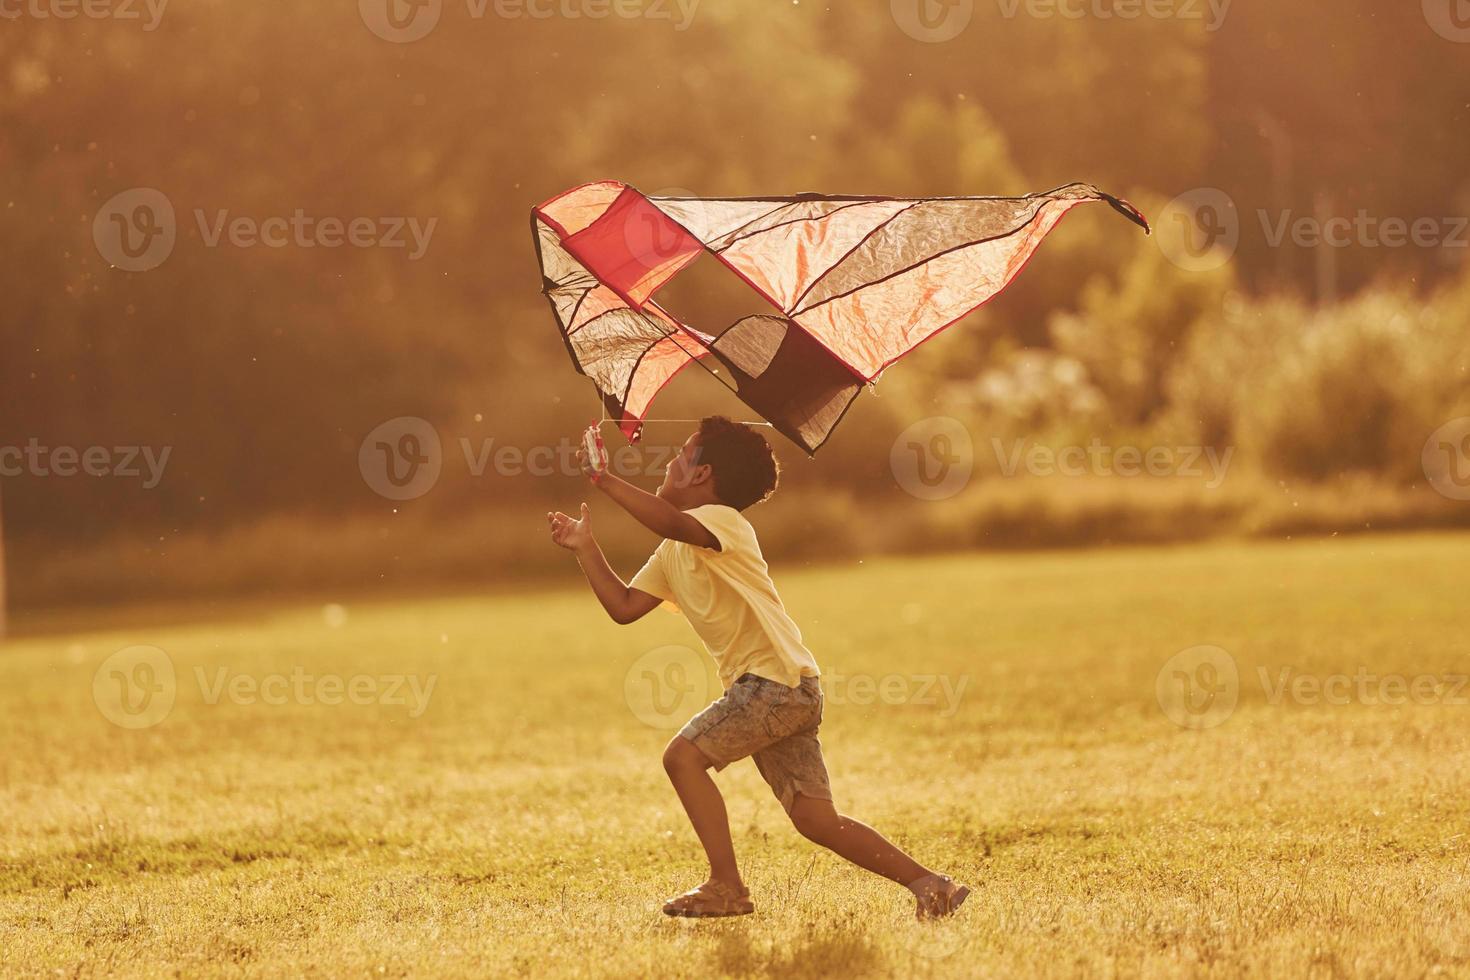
<point x="592" y="457"/>
<point x="569" y="533"/>
<point x="589" y="468"/>
<point x="585" y="465"/>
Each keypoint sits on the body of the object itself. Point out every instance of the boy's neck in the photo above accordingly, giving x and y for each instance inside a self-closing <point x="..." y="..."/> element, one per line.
<point x="691" y="497"/>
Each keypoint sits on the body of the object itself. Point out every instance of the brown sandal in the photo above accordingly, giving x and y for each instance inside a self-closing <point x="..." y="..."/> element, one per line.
<point x="938" y="896"/>
<point x="709" y="901"/>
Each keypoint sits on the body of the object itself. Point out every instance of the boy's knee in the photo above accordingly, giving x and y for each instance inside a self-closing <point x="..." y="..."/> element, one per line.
<point x="816" y="820"/>
<point x="682" y="755"/>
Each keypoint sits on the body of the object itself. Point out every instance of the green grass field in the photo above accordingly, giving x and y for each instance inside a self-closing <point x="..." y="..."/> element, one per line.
<point x="997" y="715"/>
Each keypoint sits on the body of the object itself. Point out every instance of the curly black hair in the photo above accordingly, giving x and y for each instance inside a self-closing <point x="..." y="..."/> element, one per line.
<point x="744" y="467"/>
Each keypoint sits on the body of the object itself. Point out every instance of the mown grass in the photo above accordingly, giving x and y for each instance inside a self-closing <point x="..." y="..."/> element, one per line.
<point x="522" y="825"/>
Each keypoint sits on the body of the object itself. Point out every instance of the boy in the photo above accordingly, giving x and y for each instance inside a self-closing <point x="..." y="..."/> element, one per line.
<point x="710" y="565"/>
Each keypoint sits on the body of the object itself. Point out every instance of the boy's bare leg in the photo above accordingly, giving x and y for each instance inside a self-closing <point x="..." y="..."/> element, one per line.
<point x="819" y="822"/>
<point x="688" y="770"/>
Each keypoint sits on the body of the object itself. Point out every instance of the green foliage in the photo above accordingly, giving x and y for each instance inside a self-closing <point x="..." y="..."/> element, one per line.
<point x="1320" y="393"/>
<point x="1126" y="334"/>
<point x="264" y="369"/>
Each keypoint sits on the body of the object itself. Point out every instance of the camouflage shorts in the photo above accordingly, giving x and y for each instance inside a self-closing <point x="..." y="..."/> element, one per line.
<point x="774" y="724"/>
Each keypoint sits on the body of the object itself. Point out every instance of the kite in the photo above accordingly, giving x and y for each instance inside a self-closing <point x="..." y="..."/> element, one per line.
<point x="840" y="287"/>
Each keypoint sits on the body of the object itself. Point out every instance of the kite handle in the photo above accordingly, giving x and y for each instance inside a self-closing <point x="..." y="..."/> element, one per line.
<point x="596" y="454"/>
<point x="1128" y="211"/>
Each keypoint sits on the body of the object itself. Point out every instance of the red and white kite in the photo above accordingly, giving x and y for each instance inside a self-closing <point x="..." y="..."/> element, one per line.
<point x="844" y="287"/>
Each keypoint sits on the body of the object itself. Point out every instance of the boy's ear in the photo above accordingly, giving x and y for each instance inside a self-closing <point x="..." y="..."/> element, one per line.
<point x="701" y="475"/>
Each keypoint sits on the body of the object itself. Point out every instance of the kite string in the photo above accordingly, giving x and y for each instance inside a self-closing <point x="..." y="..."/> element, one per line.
<point x="685" y="421"/>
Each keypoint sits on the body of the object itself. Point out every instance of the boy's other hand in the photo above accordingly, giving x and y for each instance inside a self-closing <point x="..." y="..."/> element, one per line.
<point x="589" y="467"/>
<point x="571" y="533"/>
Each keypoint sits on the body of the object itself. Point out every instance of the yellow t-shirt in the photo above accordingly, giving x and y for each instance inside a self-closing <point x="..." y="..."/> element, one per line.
<point x="729" y="599"/>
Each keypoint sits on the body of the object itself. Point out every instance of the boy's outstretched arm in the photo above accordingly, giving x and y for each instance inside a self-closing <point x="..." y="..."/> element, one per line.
<point x="651" y="510"/>
<point x="623" y="604"/>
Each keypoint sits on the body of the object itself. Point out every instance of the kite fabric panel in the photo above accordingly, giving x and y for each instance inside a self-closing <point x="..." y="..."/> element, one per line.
<point x="840" y="288"/>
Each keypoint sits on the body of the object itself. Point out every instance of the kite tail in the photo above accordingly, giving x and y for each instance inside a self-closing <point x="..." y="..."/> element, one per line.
<point x="1128" y="211"/>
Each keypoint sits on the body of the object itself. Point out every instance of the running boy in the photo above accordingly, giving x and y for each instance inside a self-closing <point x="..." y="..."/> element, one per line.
<point x="710" y="565"/>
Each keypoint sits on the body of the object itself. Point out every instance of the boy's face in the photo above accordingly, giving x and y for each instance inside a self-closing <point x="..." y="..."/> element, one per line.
<point x="683" y="471"/>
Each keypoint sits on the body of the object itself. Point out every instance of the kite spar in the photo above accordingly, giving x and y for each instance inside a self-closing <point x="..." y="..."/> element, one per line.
<point x="840" y="287"/>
